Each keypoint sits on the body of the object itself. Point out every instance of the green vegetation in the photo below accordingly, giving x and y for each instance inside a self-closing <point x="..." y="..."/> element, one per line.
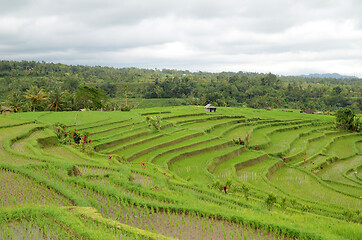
<point x="69" y="87"/>
<point x="178" y="173"/>
<point x="346" y="119"/>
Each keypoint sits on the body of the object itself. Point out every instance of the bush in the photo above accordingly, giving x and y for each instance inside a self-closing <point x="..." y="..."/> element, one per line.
<point x="346" y="119"/>
<point x="239" y="142"/>
<point x="125" y="108"/>
<point x="76" y="136"/>
<point x="154" y="122"/>
<point x="73" y="137"/>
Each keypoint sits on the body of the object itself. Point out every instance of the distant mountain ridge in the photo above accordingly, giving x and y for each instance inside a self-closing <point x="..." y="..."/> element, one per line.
<point x="327" y="75"/>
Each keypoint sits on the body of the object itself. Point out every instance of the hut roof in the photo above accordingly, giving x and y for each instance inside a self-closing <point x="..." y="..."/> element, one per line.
<point x="209" y="106"/>
<point x="310" y="111"/>
<point x="3" y="108"/>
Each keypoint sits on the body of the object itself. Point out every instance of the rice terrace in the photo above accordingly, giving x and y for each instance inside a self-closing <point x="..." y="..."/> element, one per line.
<point x="179" y="173"/>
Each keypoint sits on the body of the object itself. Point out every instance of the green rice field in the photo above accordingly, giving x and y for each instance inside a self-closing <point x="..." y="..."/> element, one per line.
<point x="179" y="173"/>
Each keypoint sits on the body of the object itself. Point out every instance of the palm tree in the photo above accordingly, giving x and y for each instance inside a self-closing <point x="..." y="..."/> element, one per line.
<point x="35" y="95"/>
<point x="56" y="99"/>
<point x="15" y="100"/>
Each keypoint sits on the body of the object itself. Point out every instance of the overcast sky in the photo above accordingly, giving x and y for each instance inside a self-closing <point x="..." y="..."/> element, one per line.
<point x="286" y="37"/>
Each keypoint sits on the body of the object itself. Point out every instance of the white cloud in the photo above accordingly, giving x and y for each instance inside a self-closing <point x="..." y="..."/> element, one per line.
<point x="280" y="36"/>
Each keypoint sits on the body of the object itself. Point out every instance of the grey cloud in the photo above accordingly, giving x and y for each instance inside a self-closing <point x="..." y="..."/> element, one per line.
<point x="191" y="34"/>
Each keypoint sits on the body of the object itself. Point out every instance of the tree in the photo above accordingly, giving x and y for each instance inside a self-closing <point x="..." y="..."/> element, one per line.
<point x="35" y="95"/>
<point x="15" y="100"/>
<point x="346" y="119"/>
<point x="158" y="90"/>
<point x="337" y="90"/>
<point x="126" y="92"/>
<point x="110" y="89"/>
<point x="90" y="97"/>
<point x="56" y="98"/>
<point x="70" y="84"/>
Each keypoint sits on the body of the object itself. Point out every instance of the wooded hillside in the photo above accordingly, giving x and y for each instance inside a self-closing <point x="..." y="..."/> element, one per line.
<point x="224" y="89"/>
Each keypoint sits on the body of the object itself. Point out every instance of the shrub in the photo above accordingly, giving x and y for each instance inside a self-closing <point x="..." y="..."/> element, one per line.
<point x="76" y="136"/>
<point x="73" y="137"/>
<point x="154" y="122"/>
<point x="239" y="142"/>
<point x="346" y="119"/>
<point x="125" y="108"/>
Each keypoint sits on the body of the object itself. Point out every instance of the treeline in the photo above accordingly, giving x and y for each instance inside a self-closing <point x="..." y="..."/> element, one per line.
<point x="222" y="89"/>
<point x="39" y="99"/>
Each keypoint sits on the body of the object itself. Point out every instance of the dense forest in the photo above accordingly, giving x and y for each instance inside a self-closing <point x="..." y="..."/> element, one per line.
<point x="31" y="85"/>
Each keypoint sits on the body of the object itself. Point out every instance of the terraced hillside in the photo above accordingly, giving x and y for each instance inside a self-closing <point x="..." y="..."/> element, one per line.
<point x="287" y="176"/>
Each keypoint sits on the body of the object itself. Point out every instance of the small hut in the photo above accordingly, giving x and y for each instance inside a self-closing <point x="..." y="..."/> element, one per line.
<point x="210" y="108"/>
<point x="6" y="110"/>
<point x="308" y="111"/>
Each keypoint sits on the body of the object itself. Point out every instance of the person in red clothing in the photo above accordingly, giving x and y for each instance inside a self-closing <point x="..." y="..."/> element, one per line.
<point x="224" y="188"/>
